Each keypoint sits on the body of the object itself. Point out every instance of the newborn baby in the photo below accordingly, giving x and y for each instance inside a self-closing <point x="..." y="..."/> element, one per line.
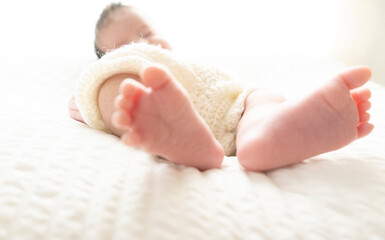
<point x="194" y="115"/>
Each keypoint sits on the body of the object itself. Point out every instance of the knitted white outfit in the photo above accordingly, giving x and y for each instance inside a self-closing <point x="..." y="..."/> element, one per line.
<point x="216" y="96"/>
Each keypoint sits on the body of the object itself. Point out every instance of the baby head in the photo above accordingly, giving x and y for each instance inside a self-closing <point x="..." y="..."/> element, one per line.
<point x="121" y="24"/>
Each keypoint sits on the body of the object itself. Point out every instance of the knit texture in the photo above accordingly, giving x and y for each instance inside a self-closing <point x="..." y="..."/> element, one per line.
<point x="60" y="180"/>
<point x="216" y="96"/>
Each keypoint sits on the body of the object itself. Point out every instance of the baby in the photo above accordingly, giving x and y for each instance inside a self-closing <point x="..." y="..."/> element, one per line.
<point x="194" y="115"/>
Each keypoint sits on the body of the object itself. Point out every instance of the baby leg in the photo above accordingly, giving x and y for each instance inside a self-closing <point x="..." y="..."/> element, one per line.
<point x="274" y="133"/>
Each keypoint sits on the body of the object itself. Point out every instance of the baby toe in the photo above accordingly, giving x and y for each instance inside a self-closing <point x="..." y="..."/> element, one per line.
<point x="364" y="129"/>
<point x="155" y="76"/>
<point x="121" y="119"/>
<point x="132" y="139"/>
<point x="130" y="88"/>
<point x="355" y="77"/>
<point x="361" y="94"/>
<point x="122" y="103"/>
<point x="364" y="106"/>
<point x="364" y="117"/>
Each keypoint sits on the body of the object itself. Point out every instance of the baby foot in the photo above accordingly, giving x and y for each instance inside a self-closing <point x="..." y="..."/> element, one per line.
<point x="326" y="120"/>
<point x="158" y="117"/>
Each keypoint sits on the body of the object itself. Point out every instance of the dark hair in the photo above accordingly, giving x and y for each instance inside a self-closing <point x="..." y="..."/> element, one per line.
<point x="102" y="21"/>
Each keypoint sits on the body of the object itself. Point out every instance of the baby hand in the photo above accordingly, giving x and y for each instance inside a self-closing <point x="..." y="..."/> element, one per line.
<point x="74" y="111"/>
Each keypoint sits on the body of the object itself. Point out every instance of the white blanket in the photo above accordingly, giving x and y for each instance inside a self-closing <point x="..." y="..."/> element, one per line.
<point x="61" y="180"/>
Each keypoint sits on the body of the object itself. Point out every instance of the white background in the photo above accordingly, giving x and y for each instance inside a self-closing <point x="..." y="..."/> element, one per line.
<point x="352" y="31"/>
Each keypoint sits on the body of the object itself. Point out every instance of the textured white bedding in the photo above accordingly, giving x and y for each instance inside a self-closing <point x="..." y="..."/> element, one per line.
<point x="61" y="180"/>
